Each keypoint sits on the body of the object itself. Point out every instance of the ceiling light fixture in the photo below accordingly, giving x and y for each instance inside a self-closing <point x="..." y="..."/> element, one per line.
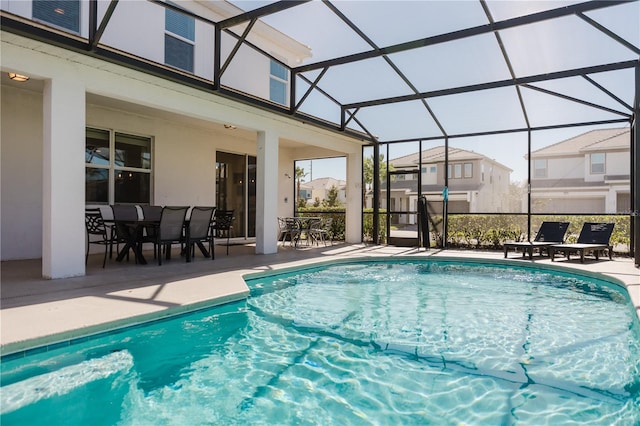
<point x="18" y="77"/>
<point x="230" y="127"/>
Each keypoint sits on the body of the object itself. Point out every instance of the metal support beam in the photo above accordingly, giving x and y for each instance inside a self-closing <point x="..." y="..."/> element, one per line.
<point x="309" y="90"/>
<point x="498" y="84"/>
<point x="610" y="33"/>
<point x="529" y="204"/>
<point x="507" y="60"/>
<point x="635" y="174"/>
<point x="237" y="46"/>
<point x="468" y="32"/>
<point x="608" y="92"/>
<point x="96" y="34"/>
<point x="572" y="99"/>
<point x="260" y="12"/>
<point x="376" y="194"/>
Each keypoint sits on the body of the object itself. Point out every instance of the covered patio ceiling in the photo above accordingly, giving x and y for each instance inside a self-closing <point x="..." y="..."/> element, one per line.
<point x="393" y="71"/>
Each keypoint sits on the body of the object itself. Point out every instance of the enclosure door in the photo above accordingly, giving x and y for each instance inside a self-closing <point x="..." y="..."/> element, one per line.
<point x="402" y="213"/>
<point x="236" y="190"/>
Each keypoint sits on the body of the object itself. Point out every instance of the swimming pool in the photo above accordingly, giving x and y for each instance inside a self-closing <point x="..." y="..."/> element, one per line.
<point x="397" y="341"/>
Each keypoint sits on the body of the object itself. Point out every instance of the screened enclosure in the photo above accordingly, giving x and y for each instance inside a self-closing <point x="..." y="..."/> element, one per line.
<point x="505" y="112"/>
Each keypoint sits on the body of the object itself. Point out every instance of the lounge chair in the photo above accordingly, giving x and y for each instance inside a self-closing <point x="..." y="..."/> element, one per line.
<point x="550" y="233"/>
<point x="593" y="238"/>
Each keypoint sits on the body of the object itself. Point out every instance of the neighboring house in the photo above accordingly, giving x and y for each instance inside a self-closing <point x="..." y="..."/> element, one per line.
<point x="588" y="173"/>
<point x="318" y="188"/>
<point x="148" y="137"/>
<point x="476" y="182"/>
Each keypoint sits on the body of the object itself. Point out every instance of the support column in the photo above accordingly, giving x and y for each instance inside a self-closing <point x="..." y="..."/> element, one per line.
<point x="63" y="230"/>
<point x="267" y="193"/>
<point x="353" y="219"/>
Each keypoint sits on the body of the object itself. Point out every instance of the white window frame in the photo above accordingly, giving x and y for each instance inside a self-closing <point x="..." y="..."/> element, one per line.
<point x="540" y="172"/>
<point x="602" y="163"/>
<point x="279" y="80"/>
<point x="468" y="166"/>
<point x="183" y="39"/>
<point x="113" y="169"/>
<point x="72" y="31"/>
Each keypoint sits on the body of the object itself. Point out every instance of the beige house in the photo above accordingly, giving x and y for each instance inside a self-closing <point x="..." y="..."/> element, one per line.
<point x="476" y="182"/>
<point x="319" y="188"/>
<point x="587" y="173"/>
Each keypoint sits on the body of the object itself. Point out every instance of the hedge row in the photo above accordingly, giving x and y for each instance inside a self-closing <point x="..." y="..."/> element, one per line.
<point x="485" y="231"/>
<point x="492" y="231"/>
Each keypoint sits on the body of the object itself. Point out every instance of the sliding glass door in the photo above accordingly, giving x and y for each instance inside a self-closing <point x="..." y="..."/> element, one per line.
<point x="236" y="190"/>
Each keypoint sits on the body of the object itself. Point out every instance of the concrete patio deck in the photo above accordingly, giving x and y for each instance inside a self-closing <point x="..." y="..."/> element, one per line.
<point x="36" y="312"/>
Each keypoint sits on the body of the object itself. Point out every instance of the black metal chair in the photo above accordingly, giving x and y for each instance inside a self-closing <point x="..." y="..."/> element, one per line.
<point x="170" y="229"/>
<point x="95" y="227"/>
<point x="320" y="230"/>
<point x="152" y="213"/>
<point x="123" y="213"/>
<point x="289" y="229"/>
<point x="199" y="231"/>
<point x="222" y="225"/>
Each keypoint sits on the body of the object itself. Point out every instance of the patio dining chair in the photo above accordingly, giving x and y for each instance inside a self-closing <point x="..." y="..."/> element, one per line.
<point x="222" y="225"/>
<point x="170" y="230"/>
<point x="123" y="213"/>
<point x="324" y="230"/>
<point x="199" y="231"/>
<point x="288" y="229"/>
<point x="151" y="213"/>
<point x="96" y="228"/>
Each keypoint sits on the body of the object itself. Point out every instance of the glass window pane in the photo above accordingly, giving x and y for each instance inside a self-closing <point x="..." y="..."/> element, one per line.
<point x="468" y="170"/>
<point x="597" y="163"/>
<point x="457" y="171"/>
<point x="180" y="24"/>
<point x="61" y="13"/>
<point x="178" y="53"/>
<point x="132" y="187"/>
<point x="132" y="151"/>
<point x="277" y="91"/>
<point x="97" y="147"/>
<point x="96" y="185"/>
<point x="540" y="168"/>
<point x="279" y="71"/>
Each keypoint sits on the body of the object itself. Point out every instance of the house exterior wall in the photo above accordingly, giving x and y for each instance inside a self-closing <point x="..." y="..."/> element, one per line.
<point x="466" y="194"/>
<point x="617" y="163"/>
<point x="565" y="168"/>
<point x="570" y="187"/>
<point x="181" y="120"/>
<point x="248" y="72"/>
<point x="21" y="174"/>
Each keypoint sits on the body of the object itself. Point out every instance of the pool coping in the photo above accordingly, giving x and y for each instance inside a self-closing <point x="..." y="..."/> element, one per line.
<point x="241" y="292"/>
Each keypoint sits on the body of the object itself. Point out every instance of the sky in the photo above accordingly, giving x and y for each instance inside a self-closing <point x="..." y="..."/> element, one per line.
<point x="533" y="50"/>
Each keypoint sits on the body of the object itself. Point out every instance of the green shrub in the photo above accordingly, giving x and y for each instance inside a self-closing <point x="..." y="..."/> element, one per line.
<point x="492" y="231"/>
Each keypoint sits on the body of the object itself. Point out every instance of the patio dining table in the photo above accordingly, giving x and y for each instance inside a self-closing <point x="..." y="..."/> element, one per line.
<point x="304" y="224"/>
<point x="133" y="237"/>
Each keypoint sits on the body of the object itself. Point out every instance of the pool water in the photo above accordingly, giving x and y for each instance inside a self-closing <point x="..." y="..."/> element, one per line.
<point x="372" y="342"/>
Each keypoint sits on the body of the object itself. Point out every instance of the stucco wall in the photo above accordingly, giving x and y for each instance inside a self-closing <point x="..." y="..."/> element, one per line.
<point x="21" y="168"/>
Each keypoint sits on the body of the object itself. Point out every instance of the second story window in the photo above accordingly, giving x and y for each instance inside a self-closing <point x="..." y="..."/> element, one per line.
<point x="179" y="40"/>
<point x="61" y="13"/>
<point x="539" y="169"/>
<point x="597" y="163"/>
<point x="468" y="170"/>
<point x="278" y="81"/>
<point x="459" y="170"/>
